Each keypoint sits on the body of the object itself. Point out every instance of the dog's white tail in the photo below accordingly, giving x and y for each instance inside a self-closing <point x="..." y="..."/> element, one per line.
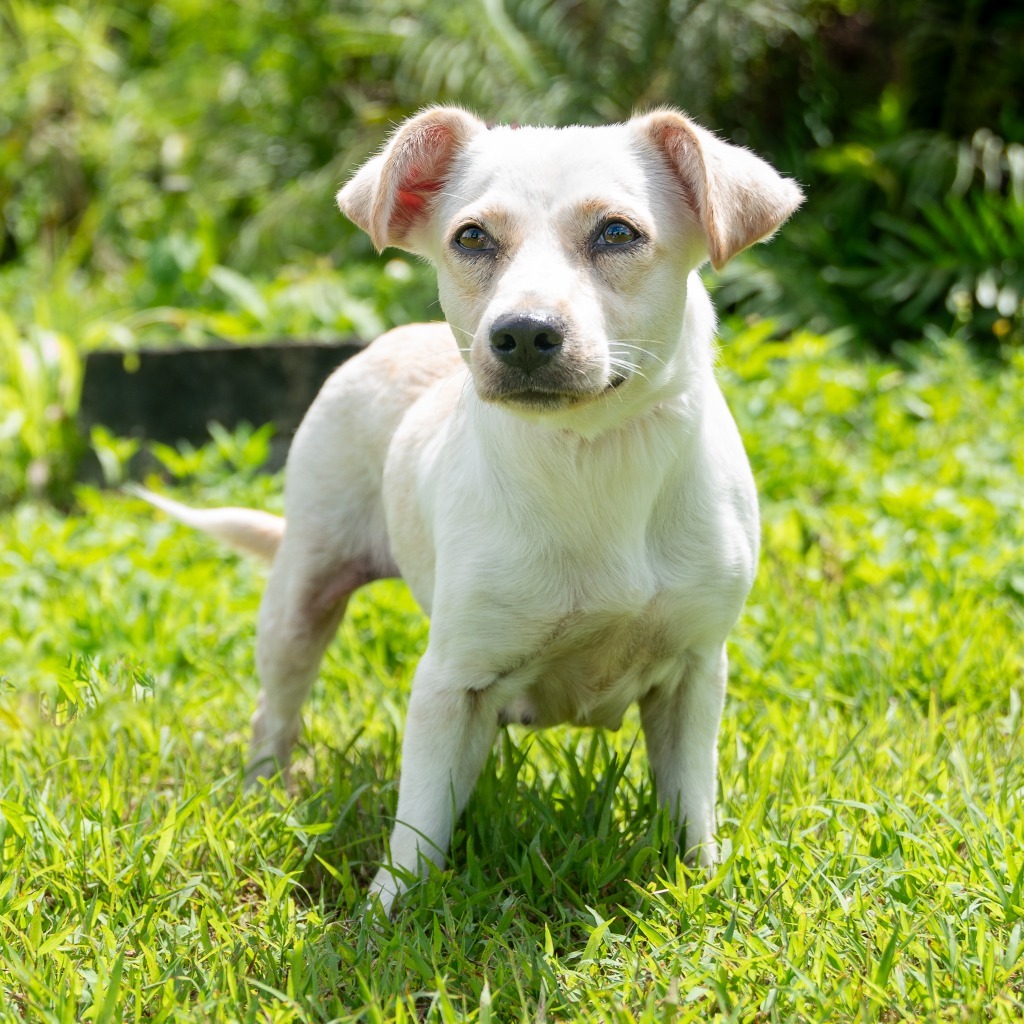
<point x="245" y="529"/>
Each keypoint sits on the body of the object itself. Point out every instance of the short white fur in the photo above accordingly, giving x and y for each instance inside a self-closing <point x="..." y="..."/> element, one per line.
<point x="583" y="534"/>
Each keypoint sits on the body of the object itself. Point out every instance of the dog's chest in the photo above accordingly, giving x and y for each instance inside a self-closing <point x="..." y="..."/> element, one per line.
<point x="595" y="664"/>
<point x="578" y="633"/>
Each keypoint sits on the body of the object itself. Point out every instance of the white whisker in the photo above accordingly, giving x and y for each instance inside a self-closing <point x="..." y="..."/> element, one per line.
<point x="622" y="343"/>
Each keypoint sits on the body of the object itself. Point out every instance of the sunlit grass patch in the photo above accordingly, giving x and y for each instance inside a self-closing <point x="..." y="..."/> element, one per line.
<point x="870" y="786"/>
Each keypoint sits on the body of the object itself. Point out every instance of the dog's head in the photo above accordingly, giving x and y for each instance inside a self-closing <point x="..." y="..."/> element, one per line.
<point x="562" y="254"/>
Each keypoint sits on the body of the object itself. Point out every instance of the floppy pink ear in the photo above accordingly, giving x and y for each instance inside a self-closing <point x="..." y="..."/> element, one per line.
<point x="391" y="195"/>
<point x="737" y="198"/>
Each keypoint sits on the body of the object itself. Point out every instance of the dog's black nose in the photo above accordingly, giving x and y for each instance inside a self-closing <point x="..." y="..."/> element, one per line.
<point x="526" y="342"/>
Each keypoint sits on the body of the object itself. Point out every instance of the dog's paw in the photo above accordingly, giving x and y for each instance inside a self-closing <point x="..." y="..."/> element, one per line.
<point x="702" y="855"/>
<point x="697" y="840"/>
<point x="270" y="752"/>
<point x="707" y="854"/>
<point x="259" y="771"/>
<point x="385" y="888"/>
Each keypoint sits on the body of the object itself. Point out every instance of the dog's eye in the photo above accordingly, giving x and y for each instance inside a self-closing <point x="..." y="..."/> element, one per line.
<point x="474" y="239"/>
<point x="617" y="232"/>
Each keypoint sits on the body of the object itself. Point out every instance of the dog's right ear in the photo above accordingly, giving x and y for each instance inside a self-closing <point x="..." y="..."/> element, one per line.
<point x="391" y="195"/>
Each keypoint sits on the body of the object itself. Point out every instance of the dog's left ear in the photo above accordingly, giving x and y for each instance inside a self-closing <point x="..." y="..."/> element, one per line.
<point x="392" y="194"/>
<point x="737" y="198"/>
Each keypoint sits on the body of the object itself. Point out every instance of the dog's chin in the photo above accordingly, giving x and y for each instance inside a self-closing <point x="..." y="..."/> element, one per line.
<point x="539" y="400"/>
<point x="527" y="396"/>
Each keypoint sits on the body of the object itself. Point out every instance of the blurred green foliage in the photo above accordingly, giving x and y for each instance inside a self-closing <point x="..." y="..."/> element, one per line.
<point x="167" y="169"/>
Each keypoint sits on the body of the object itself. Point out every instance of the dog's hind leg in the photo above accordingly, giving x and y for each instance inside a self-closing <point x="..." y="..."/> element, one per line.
<point x="299" y="615"/>
<point x="335" y="537"/>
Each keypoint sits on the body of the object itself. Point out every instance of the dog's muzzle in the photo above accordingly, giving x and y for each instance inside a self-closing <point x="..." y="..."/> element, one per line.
<point x="535" y="363"/>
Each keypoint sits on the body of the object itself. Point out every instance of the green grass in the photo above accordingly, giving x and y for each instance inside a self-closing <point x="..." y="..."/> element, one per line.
<point x="871" y="760"/>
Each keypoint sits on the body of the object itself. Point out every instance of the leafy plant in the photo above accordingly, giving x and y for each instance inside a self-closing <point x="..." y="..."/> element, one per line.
<point x="39" y="385"/>
<point x="914" y="234"/>
<point x="963" y="251"/>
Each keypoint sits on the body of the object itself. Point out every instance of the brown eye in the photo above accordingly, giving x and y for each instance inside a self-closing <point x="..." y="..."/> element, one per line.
<point x="617" y="232"/>
<point x="474" y="239"/>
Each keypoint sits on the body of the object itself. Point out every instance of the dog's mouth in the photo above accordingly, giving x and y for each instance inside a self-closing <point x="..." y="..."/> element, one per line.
<point x="540" y="399"/>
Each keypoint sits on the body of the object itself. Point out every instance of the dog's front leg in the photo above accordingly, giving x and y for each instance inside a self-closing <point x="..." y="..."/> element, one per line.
<point x="448" y="734"/>
<point x="680" y="725"/>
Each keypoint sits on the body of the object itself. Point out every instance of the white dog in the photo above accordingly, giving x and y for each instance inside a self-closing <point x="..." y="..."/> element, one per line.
<point x="554" y="472"/>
